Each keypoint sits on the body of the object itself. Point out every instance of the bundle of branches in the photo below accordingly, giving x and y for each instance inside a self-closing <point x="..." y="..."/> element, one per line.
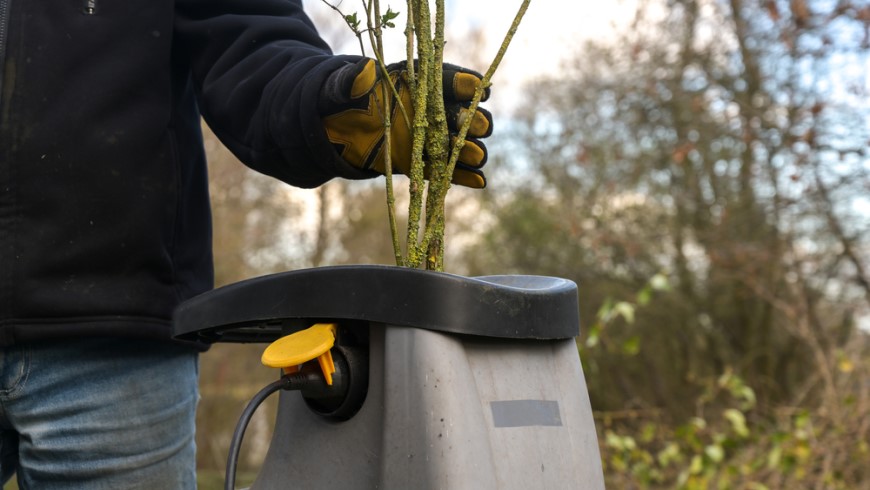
<point x="431" y="139"/>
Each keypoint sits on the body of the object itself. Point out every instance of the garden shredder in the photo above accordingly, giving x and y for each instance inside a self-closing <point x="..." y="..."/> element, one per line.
<point x="398" y="378"/>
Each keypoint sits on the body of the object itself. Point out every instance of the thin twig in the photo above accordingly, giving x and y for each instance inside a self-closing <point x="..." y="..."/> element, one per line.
<point x="353" y="28"/>
<point x="386" y="112"/>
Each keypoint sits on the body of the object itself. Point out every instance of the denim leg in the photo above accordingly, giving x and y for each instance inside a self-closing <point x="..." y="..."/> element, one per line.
<point x="103" y="414"/>
<point x="8" y="454"/>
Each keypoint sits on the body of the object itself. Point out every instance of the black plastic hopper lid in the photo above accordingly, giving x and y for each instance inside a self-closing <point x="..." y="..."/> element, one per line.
<point x="259" y="309"/>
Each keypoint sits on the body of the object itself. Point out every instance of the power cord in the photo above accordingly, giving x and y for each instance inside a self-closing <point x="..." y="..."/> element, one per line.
<point x="338" y="401"/>
<point x="285" y="383"/>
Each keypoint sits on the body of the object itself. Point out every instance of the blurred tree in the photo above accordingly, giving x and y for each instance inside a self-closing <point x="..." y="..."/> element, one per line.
<point x="725" y="143"/>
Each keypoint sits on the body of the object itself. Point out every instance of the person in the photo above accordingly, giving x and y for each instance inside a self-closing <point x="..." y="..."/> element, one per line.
<point x="104" y="209"/>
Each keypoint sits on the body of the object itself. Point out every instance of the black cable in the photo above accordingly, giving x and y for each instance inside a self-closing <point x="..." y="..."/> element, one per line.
<point x="235" y="446"/>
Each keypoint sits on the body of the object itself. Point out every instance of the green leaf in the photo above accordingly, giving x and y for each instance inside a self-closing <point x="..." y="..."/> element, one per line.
<point x="660" y="282"/>
<point x="352" y="21"/>
<point x="604" y="311"/>
<point x="644" y="296"/>
<point x="594" y="334"/>
<point x="621" y="443"/>
<point x="682" y="479"/>
<point x="669" y="454"/>
<point x="802" y="419"/>
<point x="697" y="465"/>
<point x="738" y="421"/>
<point x="748" y="396"/>
<point x="388" y="17"/>
<point x="625" y="310"/>
<point x="631" y="346"/>
<point x="715" y="453"/>
<point x="612" y="440"/>
<point x="774" y="457"/>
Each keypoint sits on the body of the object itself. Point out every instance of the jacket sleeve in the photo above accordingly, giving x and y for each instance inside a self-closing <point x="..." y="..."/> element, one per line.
<point x="257" y="68"/>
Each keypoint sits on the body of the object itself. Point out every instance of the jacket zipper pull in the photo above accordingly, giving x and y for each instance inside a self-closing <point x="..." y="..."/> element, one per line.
<point x="89" y="7"/>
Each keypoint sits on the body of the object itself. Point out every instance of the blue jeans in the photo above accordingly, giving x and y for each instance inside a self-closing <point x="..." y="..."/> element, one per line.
<point x="98" y="414"/>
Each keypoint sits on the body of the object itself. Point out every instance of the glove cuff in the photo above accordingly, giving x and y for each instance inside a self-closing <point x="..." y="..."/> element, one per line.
<point x="297" y="127"/>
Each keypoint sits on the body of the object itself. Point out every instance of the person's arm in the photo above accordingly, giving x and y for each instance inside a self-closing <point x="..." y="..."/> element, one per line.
<point x="258" y="67"/>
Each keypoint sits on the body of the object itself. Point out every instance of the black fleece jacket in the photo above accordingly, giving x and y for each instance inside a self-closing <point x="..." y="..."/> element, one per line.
<point x="104" y="212"/>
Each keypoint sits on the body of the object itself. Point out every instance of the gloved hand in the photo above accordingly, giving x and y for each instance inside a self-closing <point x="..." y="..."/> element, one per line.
<point x="354" y="124"/>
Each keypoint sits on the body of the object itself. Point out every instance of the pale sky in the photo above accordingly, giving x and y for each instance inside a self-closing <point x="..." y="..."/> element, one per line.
<point x="550" y="31"/>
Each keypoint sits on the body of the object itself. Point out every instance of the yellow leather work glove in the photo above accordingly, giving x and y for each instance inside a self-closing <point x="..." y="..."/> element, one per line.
<point x="355" y="125"/>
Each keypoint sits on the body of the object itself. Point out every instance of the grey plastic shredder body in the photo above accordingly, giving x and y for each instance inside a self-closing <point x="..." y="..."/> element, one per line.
<point x="447" y="407"/>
